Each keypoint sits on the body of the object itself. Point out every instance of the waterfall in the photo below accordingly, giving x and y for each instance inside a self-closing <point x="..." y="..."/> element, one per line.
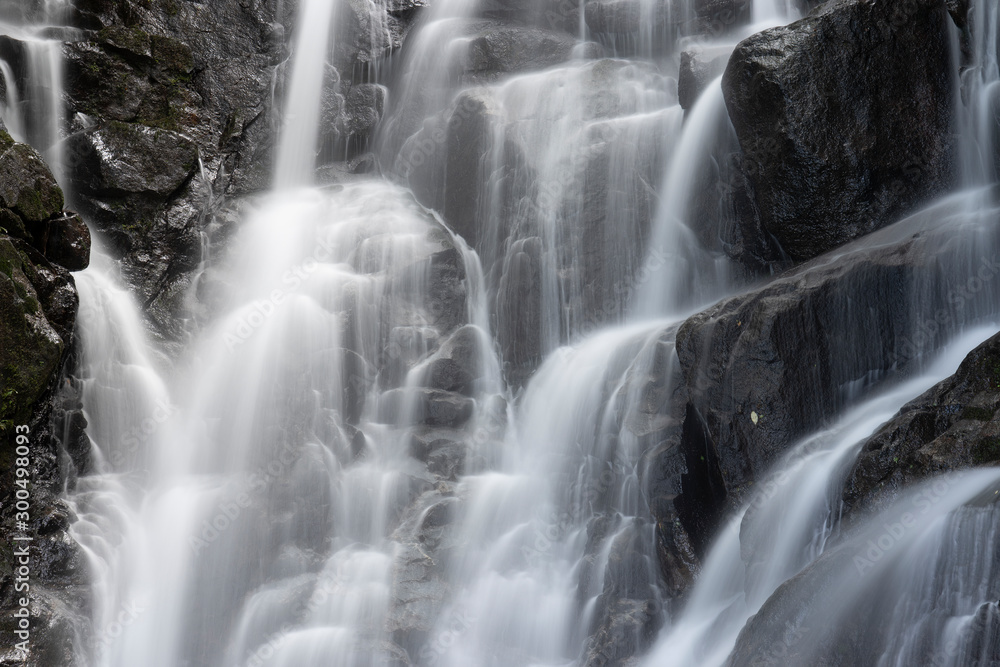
<point x="420" y="423"/>
<point x="297" y="147"/>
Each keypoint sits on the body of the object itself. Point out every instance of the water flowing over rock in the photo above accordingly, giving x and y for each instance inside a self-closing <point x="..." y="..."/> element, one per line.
<point x="501" y="332"/>
<point x="951" y="427"/>
<point x="758" y="388"/>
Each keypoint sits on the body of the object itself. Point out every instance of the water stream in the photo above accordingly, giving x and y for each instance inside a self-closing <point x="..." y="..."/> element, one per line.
<point x="341" y="468"/>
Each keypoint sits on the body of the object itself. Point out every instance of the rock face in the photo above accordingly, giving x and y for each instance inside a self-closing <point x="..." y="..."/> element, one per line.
<point x="699" y="67"/>
<point x="844" y="118"/>
<point x="152" y="89"/>
<point x="39" y="297"/>
<point x="768" y="366"/>
<point x="953" y="426"/>
<point x="171" y="115"/>
<point x="39" y="244"/>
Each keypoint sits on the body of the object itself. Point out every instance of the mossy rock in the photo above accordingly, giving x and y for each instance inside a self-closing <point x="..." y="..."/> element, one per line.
<point x="30" y="348"/>
<point x="172" y="56"/>
<point x="126" y="38"/>
<point x="986" y="450"/>
<point x="27" y="188"/>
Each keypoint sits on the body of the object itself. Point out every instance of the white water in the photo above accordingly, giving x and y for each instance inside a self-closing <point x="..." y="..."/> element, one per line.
<point x="258" y="502"/>
<point x="298" y="146"/>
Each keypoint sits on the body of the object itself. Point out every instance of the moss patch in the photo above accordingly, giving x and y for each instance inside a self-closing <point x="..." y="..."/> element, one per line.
<point x="976" y="413"/>
<point x="986" y="450"/>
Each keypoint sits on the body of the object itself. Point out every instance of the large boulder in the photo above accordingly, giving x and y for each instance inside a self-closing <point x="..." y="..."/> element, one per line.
<point x="130" y="161"/>
<point x="500" y="49"/>
<point x="952" y="426"/>
<point x="766" y="367"/>
<point x="699" y="67"/>
<point x="31" y="207"/>
<point x="845" y="119"/>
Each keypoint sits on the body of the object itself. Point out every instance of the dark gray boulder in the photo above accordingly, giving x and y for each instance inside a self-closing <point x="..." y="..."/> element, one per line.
<point x="132" y="160"/>
<point x="699" y="67"/>
<point x="766" y="367"/>
<point x="432" y="407"/>
<point x="456" y="366"/>
<point x="953" y="426"/>
<point x="504" y="49"/>
<point x="845" y="119"/>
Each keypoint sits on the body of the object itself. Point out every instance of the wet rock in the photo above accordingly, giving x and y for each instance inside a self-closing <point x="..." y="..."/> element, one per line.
<point x="123" y="160"/>
<point x="456" y="366"/>
<point x="699" y="67"/>
<point x="420" y="587"/>
<point x="442" y="450"/>
<point x="32" y="348"/>
<point x="953" y="426"/>
<point x="719" y="17"/>
<point x="845" y="119"/>
<point x="363" y="108"/>
<point x="768" y="366"/>
<point x="519" y="310"/>
<point x="630" y="26"/>
<point x="407" y="346"/>
<point x="441" y="162"/>
<point x="432" y="407"/>
<point x="628" y="613"/>
<point x="167" y="70"/>
<point x="38" y="306"/>
<point x="446" y="295"/>
<point x="67" y="242"/>
<point x="506" y="49"/>
<point x="29" y="194"/>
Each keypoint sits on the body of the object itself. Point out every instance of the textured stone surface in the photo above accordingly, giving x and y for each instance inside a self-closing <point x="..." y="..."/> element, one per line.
<point x="845" y="119"/>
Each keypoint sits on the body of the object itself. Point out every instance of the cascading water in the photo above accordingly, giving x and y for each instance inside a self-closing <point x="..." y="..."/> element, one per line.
<point x="787" y="524"/>
<point x="263" y="500"/>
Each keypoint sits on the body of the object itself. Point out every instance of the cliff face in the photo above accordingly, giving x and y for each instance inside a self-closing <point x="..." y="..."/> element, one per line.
<point x="39" y="244"/>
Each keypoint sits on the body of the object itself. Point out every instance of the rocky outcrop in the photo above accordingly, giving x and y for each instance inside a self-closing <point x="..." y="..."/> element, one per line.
<point x="495" y="50"/>
<point x="844" y="119"/>
<point x="628" y="611"/>
<point x="699" y="67"/>
<point x="953" y="426"/>
<point x="168" y="107"/>
<point x="768" y="366"/>
<point x="41" y="422"/>
<point x="842" y="605"/>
